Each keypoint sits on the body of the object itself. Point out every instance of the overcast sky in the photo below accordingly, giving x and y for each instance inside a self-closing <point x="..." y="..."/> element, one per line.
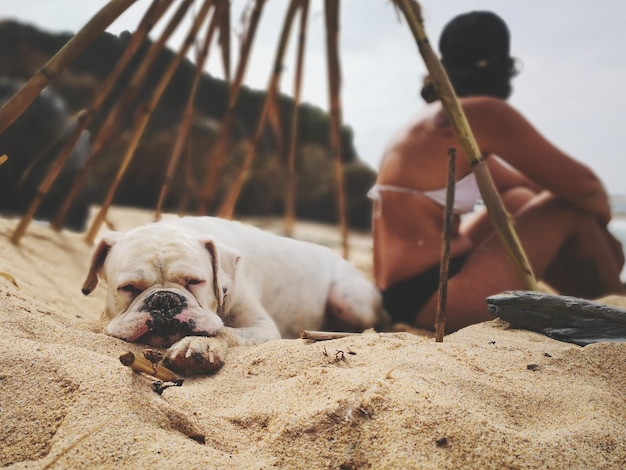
<point x="572" y="87"/>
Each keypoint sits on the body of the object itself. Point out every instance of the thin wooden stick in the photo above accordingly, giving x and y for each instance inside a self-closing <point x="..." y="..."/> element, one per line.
<point x="152" y="15"/>
<point x="183" y="133"/>
<point x="290" y="187"/>
<point x="220" y="148"/>
<point x="228" y="206"/>
<point x="325" y="335"/>
<point x="18" y="103"/>
<point x="440" y="321"/>
<point x="141" y="364"/>
<point x="331" y="15"/>
<point x="143" y="118"/>
<point x="488" y="191"/>
<point x="312" y="335"/>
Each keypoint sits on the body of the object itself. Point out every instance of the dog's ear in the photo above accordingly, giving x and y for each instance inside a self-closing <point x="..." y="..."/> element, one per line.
<point x="224" y="261"/>
<point x="97" y="260"/>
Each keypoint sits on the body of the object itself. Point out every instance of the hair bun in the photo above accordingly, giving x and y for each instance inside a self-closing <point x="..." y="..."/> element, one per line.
<point x="475" y="39"/>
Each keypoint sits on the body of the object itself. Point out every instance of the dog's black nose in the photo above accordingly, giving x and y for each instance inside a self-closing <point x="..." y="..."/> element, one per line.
<point x="165" y="303"/>
<point x="163" y="307"/>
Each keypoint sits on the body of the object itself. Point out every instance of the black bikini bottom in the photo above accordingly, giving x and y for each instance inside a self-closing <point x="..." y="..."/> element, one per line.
<point x="406" y="298"/>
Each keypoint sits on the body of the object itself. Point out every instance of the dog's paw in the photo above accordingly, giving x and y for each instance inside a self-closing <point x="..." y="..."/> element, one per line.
<point x="196" y="355"/>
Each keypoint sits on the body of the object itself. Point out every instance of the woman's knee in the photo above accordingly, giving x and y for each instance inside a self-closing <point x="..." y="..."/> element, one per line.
<point x="557" y="210"/>
<point x="516" y="198"/>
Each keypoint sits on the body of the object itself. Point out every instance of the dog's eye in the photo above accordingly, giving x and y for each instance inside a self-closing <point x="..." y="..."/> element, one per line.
<point x="193" y="282"/>
<point x="129" y="289"/>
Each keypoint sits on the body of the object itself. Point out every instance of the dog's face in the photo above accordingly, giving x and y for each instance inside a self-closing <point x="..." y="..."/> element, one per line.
<point x="162" y="284"/>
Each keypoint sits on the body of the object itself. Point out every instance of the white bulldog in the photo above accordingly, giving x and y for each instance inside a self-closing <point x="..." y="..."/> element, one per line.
<point x="199" y="285"/>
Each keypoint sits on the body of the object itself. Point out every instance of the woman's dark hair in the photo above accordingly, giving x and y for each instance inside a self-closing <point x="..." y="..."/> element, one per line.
<point x="475" y="53"/>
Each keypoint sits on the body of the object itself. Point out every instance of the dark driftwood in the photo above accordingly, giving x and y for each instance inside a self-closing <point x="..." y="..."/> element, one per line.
<point x="564" y="318"/>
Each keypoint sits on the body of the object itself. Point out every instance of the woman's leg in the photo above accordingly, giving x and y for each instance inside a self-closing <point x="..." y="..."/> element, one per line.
<point x="573" y="273"/>
<point x="544" y="227"/>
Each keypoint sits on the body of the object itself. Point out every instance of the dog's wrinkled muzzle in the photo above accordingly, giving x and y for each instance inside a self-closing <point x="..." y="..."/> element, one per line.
<point x="163" y="317"/>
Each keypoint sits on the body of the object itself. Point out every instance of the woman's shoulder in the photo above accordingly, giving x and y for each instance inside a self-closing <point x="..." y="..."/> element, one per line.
<point x="489" y="114"/>
<point x="485" y="103"/>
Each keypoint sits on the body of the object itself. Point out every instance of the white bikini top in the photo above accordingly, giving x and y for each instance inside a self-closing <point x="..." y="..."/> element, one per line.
<point x="466" y="194"/>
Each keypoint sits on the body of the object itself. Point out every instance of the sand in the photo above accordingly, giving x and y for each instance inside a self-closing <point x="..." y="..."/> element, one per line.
<point x="487" y="397"/>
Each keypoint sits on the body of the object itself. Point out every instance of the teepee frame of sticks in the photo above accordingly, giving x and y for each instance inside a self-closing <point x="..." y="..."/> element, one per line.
<point x="220" y="20"/>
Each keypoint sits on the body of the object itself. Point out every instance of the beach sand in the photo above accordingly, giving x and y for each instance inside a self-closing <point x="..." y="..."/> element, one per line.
<point x="487" y="397"/>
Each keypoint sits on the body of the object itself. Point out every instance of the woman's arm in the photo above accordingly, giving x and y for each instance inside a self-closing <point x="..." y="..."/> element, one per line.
<point x="501" y="130"/>
<point x="506" y="177"/>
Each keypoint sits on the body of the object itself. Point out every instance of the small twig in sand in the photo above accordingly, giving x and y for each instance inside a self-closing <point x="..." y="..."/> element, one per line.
<point x="339" y="356"/>
<point x="141" y="364"/>
<point x="158" y="386"/>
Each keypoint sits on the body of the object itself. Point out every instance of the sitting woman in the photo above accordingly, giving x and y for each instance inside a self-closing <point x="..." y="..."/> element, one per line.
<point x="559" y="206"/>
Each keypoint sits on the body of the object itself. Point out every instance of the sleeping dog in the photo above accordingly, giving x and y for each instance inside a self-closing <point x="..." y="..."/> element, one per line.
<point x="199" y="285"/>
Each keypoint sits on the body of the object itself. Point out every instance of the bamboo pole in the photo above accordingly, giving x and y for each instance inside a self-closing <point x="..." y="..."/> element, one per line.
<point x="491" y="198"/>
<point x="290" y="187"/>
<point x="220" y="148"/>
<point x="228" y="206"/>
<point x="224" y="39"/>
<point x="152" y="15"/>
<point x="440" y="320"/>
<point x="18" y="103"/>
<point x="132" y="89"/>
<point x="275" y="125"/>
<point x="331" y="10"/>
<point x="183" y="133"/>
<point x="114" y="117"/>
<point x="143" y="117"/>
<point x="183" y="203"/>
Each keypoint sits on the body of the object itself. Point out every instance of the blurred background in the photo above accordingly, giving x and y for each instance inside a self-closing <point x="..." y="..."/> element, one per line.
<point x="570" y="86"/>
